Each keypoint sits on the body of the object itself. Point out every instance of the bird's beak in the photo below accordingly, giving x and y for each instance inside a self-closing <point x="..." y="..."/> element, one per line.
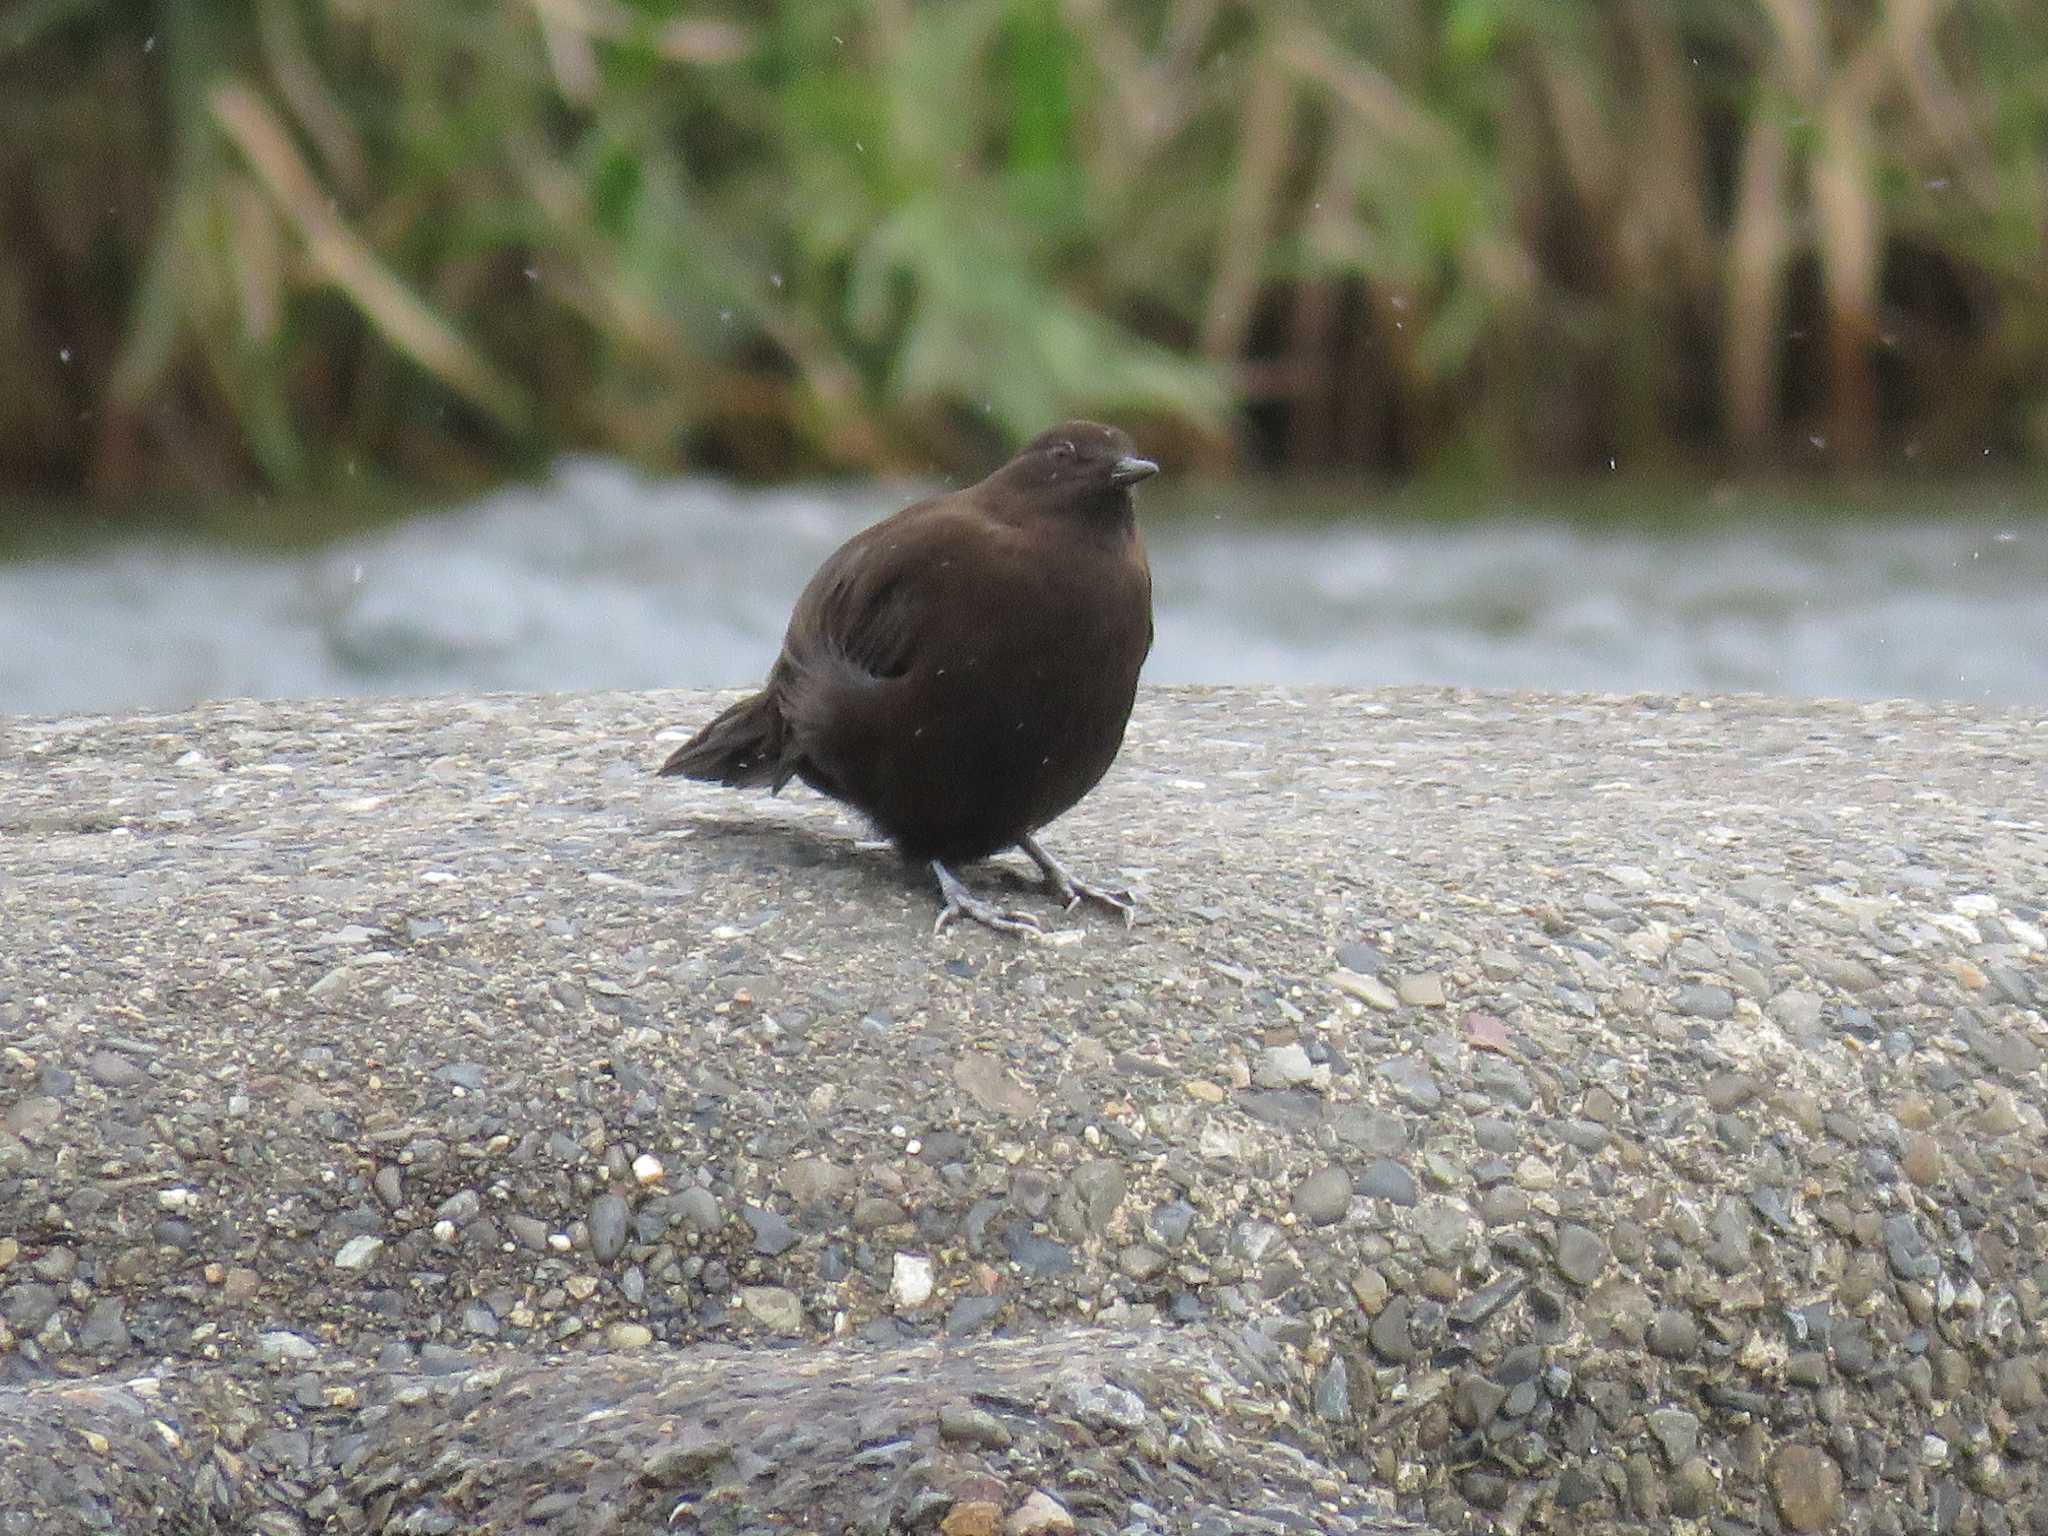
<point x="1130" y="469"/>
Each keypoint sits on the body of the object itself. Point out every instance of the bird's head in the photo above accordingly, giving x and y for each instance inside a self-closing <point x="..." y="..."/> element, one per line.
<point x="1081" y="464"/>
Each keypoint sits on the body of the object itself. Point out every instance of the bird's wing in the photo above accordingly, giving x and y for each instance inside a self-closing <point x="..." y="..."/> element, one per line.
<point x="863" y="607"/>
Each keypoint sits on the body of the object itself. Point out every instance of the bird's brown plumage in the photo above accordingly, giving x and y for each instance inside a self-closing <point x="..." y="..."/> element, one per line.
<point x="961" y="672"/>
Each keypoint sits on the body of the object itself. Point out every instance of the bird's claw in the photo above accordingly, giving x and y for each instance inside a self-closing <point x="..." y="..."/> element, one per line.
<point x="961" y="902"/>
<point x="1071" y="892"/>
<point x="990" y="916"/>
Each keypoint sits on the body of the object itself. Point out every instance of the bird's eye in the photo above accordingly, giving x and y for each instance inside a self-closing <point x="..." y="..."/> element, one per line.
<point x="1063" y="450"/>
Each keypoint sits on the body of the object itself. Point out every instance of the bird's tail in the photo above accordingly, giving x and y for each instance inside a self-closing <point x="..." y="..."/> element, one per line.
<point x="747" y="744"/>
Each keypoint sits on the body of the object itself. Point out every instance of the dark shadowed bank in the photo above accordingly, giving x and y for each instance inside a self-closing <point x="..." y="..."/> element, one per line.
<point x="1588" y="1112"/>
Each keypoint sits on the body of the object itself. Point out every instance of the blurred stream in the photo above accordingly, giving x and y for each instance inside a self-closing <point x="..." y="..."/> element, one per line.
<point x="600" y="578"/>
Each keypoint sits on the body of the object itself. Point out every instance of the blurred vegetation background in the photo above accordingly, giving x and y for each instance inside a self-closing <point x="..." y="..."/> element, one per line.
<point x="291" y="244"/>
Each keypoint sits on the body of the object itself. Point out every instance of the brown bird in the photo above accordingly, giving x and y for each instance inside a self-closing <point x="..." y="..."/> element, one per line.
<point x="961" y="673"/>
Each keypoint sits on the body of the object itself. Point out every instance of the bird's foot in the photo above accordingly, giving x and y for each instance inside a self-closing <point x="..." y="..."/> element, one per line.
<point x="1072" y="892"/>
<point x="961" y="902"/>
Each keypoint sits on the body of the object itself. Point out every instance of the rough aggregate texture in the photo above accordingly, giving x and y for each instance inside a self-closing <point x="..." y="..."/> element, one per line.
<point x="1580" y="1113"/>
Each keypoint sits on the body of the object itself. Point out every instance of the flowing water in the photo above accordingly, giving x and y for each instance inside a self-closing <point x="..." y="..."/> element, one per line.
<point x="599" y="578"/>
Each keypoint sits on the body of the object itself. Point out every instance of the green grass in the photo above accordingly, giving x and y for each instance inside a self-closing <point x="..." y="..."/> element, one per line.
<point x="296" y="244"/>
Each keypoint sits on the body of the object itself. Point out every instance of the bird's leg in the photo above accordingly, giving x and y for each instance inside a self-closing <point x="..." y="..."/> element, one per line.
<point x="1071" y="891"/>
<point x="961" y="902"/>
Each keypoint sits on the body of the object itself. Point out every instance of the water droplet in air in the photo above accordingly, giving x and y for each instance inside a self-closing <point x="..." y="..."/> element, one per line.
<point x="775" y="279"/>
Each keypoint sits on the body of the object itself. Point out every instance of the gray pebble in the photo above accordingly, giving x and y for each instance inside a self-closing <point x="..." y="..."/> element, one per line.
<point x="444" y="1359"/>
<point x="1578" y="1000"/>
<point x="1807" y="1368"/>
<point x="774" y="1307"/>
<point x="973" y="1426"/>
<point x="105" y="1329"/>
<point x="1855" y="1350"/>
<point x="359" y="1252"/>
<point x="1495" y="1134"/>
<point x="2011" y="984"/>
<point x="1170" y="1223"/>
<point x="1586" y="1135"/>
<point x="1283" y="1066"/>
<point x="1504" y="1081"/>
<point x="1581" y="1254"/>
<point x="1769" y="1202"/>
<point x="813" y="1181"/>
<point x="1503" y="1206"/>
<point x="467" y="1075"/>
<point x="461" y="1208"/>
<point x="1797" y="1009"/>
<point x="609" y="1214"/>
<point x="1445" y="1230"/>
<point x="1332" y="1394"/>
<point x="1677" y="1433"/>
<point x="773" y="1234"/>
<point x="1385" y="1179"/>
<point x="698" y="1209"/>
<point x="1522" y="1363"/>
<point x="1729" y="1090"/>
<point x="1577" y="1486"/>
<point x="1907" y="1251"/>
<point x="1141" y="1262"/>
<point x="110" y="1069"/>
<point x="972" y="1313"/>
<point x="1478" y="1306"/>
<point x="1373" y="1131"/>
<point x="1038" y="1255"/>
<point x="1099" y="1404"/>
<point x="1100" y="1185"/>
<point x="1728" y="1246"/>
<point x="1673" y="1335"/>
<point x="1806" y="1485"/>
<point x="1702" y="1001"/>
<point x="1363" y="959"/>
<point x="1412" y="1082"/>
<point x="1485" y="1490"/>
<point x="1477" y="1401"/>
<point x="1389" y="1333"/>
<point x="280" y="1347"/>
<point x="1324" y="1196"/>
<point x="2004" y="1051"/>
<point x="28" y="1306"/>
